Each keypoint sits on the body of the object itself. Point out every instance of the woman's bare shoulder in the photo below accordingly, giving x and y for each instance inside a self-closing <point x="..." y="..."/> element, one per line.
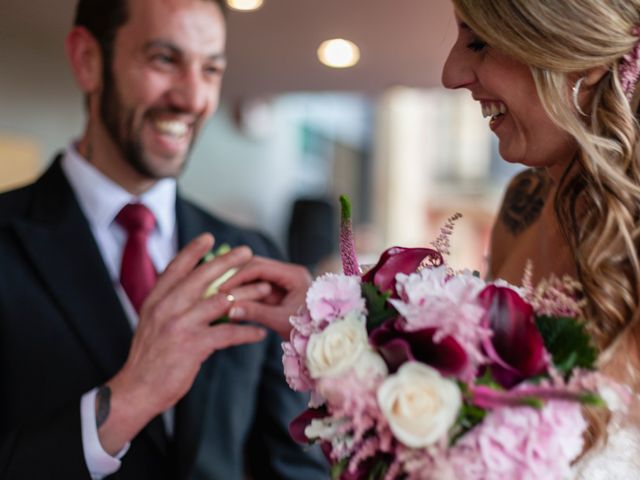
<point x="521" y="207"/>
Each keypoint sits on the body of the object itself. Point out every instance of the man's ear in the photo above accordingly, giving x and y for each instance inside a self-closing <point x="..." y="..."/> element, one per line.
<point x="85" y="59"/>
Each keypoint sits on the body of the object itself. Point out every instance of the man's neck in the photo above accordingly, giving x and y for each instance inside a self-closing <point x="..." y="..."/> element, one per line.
<point x="107" y="158"/>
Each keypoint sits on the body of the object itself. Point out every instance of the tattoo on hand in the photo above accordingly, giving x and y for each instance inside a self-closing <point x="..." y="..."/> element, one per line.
<point x="103" y="405"/>
<point x="524" y="200"/>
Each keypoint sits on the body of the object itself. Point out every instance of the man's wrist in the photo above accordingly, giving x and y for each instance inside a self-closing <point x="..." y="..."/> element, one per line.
<point x="121" y="411"/>
<point x="99" y="462"/>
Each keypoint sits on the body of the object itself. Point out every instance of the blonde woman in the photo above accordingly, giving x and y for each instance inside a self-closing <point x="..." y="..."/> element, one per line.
<point x="557" y="80"/>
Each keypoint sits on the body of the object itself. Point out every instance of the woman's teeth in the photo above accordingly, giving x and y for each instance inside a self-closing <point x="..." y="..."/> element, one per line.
<point x="493" y="110"/>
<point x="172" y="127"/>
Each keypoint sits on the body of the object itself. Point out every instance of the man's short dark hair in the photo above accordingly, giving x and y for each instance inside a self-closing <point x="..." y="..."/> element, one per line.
<point x="103" y="18"/>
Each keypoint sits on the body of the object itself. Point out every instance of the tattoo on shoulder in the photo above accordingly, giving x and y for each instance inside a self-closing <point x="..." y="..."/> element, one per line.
<point x="524" y="200"/>
<point x="103" y="405"/>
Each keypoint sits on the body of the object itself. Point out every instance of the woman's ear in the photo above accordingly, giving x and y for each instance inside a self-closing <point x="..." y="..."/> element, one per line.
<point x="85" y="59"/>
<point x="594" y="75"/>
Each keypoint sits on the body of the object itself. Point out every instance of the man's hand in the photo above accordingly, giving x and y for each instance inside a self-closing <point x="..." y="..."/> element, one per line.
<point x="289" y="284"/>
<point x="172" y="340"/>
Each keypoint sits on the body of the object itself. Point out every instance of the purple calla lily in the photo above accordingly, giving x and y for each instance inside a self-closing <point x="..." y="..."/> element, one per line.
<point x="516" y="348"/>
<point x="399" y="260"/>
<point x="398" y="347"/>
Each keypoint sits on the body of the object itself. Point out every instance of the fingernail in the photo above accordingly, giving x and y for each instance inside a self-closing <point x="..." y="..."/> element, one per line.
<point x="236" y="312"/>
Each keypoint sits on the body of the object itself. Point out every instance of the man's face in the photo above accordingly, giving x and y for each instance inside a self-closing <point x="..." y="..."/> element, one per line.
<point x="163" y="82"/>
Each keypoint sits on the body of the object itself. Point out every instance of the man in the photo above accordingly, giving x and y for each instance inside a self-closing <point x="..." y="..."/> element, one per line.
<point x="103" y="370"/>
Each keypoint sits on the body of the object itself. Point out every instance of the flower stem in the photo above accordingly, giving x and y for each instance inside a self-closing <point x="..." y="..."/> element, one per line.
<point x="347" y="244"/>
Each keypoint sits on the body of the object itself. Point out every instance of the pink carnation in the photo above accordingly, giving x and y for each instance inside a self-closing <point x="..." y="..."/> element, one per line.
<point x="523" y="443"/>
<point x="334" y="296"/>
<point x="295" y="368"/>
<point x="295" y="353"/>
<point x="434" y="299"/>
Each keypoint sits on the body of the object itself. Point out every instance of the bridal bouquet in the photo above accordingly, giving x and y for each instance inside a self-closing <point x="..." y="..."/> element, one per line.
<point x="419" y="372"/>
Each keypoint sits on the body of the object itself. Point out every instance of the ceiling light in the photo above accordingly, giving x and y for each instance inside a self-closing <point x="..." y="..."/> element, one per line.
<point x="339" y="53"/>
<point x="245" y="5"/>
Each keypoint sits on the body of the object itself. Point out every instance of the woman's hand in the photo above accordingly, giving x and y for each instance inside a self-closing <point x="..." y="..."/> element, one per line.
<point x="288" y="283"/>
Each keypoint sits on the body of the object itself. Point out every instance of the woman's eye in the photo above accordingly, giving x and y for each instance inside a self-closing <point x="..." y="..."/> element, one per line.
<point x="477" y="45"/>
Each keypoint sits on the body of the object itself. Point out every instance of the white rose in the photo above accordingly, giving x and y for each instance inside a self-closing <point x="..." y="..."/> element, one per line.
<point x="370" y="366"/>
<point x="419" y="404"/>
<point x="364" y="375"/>
<point x="337" y="348"/>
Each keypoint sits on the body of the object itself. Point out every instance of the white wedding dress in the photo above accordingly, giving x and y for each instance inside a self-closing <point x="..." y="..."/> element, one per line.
<point x="619" y="459"/>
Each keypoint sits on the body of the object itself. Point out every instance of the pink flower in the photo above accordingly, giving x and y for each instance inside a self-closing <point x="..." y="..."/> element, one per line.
<point x="295" y="353"/>
<point x="523" y="443"/>
<point x="334" y="296"/>
<point x="448" y="306"/>
<point x="293" y="359"/>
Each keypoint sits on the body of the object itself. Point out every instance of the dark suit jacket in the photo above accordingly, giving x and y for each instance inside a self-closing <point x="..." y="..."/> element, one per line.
<point x="63" y="331"/>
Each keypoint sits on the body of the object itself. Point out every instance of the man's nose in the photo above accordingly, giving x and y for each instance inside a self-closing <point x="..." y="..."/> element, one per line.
<point x="458" y="71"/>
<point x="191" y="92"/>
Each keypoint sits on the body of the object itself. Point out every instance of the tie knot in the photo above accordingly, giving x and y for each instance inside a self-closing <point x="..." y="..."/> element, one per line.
<point x="136" y="218"/>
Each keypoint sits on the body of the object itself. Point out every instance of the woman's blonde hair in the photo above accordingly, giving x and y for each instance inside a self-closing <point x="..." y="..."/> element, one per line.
<point x="598" y="199"/>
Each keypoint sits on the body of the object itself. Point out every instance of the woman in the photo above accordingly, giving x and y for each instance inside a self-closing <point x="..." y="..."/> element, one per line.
<point x="557" y="80"/>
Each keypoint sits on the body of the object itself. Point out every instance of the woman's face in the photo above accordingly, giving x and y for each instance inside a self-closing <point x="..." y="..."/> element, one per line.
<point x="507" y="94"/>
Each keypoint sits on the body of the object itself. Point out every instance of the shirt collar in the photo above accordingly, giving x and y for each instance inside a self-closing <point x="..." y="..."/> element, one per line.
<point x="101" y="199"/>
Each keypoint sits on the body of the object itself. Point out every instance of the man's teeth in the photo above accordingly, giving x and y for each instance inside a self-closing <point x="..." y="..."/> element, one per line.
<point x="172" y="127"/>
<point x="493" y="109"/>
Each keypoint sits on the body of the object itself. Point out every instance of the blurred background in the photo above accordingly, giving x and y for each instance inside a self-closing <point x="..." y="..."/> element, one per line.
<point x="292" y="133"/>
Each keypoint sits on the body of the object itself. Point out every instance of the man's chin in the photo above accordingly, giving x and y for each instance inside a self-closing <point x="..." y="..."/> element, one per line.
<point x="161" y="167"/>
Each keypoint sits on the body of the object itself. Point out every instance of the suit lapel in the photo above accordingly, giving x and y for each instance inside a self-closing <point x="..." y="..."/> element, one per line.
<point x="61" y="246"/>
<point x="191" y="409"/>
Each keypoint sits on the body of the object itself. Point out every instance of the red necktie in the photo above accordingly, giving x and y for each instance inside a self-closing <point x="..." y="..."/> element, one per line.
<point x="137" y="273"/>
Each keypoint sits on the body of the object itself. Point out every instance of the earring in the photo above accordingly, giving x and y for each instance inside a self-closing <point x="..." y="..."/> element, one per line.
<point x="576" y="92"/>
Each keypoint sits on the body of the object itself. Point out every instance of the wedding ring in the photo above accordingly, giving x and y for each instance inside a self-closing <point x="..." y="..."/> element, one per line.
<point x="230" y="298"/>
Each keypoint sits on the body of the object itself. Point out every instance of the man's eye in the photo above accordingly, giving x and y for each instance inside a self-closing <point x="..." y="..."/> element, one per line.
<point x="214" y="70"/>
<point x="477" y="45"/>
<point x="162" y="58"/>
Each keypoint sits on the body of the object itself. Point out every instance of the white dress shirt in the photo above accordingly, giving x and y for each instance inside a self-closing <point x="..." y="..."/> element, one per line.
<point x="101" y="200"/>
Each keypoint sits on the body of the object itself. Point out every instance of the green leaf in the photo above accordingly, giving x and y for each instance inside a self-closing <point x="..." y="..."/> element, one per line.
<point x="222" y="249"/>
<point x="212" y="289"/>
<point x="468" y="417"/>
<point x="379" y="310"/>
<point x="567" y="342"/>
<point x="379" y="470"/>
<point x="593" y="399"/>
<point x="207" y="257"/>
<point x="210" y="255"/>
<point x="533" y="402"/>
<point x="337" y="469"/>
<point x="487" y="379"/>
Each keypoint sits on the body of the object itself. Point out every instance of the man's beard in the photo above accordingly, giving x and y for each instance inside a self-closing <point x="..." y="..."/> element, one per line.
<point x="120" y="125"/>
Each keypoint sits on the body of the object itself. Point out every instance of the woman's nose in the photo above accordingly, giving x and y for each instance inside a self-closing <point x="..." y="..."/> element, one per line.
<point x="458" y="70"/>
